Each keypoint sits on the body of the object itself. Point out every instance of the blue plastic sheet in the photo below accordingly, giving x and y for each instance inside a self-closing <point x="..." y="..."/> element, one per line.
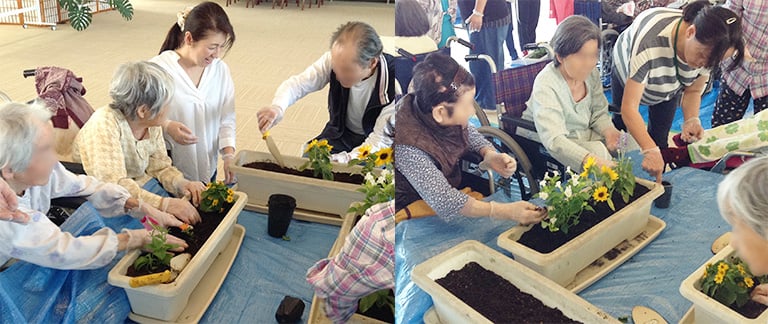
<point x="651" y="278"/>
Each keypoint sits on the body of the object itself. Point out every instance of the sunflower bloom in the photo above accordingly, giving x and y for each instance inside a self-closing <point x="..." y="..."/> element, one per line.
<point x="719" y="277"/>
<point x="322" y="143"/>
<point x="230" y="198"/>
<point x="749" y="282"/>
<point x="384" y="156"/>
<point x="722" y="267"/>
<point x="311" y="144"/>
<point x="215" y="202"/>
<point x="590" y="163"/>
<point x="601" y="194"/>
<point x="364" y="151"/>
<point x="611" y="174"/>
<point x="741" y="270"/>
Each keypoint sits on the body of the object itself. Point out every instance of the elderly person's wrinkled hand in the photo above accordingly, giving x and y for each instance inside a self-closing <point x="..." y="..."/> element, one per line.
<point x="653" y="163"/>
<point x="267" y="117"/>
<point x="192" y="190"/>
<point x="692" y="130"/>
<point x="501" y="163"/>
<point x="137" y="238"/>
<point x="8" y="205"/>
<point x="227" y="161"/>
<point x="182" y="209"/>
<point x="523" y="212"/>
<point x="612" y="138"/>
<point x="179" y="132"/>
<point x="760" y="294"/>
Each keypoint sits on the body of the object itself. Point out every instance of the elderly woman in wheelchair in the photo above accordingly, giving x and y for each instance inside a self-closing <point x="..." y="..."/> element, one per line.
<point x="30" y="169"/>
<point x="123" y="143"/>
<point x="567" y="104"/>
<point x="431" y="135"/>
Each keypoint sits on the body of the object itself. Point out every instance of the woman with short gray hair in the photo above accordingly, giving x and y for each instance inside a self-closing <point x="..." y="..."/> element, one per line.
<point x="743" y="200"/>
<point x="567" y="103"/>
<point x="123" y="143"/>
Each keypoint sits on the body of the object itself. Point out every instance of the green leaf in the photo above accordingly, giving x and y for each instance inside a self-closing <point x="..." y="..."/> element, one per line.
<point x="367" y="302"/>
<point x="286" y="238"/>
<point x="80" y="17"/>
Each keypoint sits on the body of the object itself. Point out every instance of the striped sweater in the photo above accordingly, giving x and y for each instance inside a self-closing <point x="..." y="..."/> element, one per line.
<point x="644" y="53"/>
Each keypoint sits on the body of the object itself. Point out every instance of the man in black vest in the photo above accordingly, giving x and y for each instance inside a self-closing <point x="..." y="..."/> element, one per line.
<point x="362" y="84"/>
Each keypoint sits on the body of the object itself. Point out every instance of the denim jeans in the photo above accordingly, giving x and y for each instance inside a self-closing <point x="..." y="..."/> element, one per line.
<point x="489" y="41"/>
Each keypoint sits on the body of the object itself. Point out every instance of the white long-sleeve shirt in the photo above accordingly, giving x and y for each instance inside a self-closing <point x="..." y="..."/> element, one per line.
<point x="316" y="77"/>
<point x="41" y="242"/>
<point x="208" y="109"/>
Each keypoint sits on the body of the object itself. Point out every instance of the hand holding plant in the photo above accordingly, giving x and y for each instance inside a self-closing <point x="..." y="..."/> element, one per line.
<point x="319" y="154"/>
<point x="158" y="249"/>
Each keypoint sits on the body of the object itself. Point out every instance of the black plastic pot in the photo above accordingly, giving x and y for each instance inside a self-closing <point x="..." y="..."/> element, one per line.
<point x="280" y="214"/>
<point x="663" y="200"/>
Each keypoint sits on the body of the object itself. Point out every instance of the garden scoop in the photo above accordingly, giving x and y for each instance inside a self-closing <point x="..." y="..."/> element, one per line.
<point x="177" y="264"/>
<point x="273" y="148"/>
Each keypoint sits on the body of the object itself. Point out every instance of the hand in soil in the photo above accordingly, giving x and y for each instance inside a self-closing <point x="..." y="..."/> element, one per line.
<point x="183" y="210"/>
<point x="522" y="212"/>
<point x="160" y="217"/>
<point x="760" y="294"/>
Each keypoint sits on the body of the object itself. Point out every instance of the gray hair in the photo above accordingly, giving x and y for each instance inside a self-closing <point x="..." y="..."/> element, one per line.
<point x="364" y="36"/>
<point x="19" y="128"/>
<point x="571" y="35"/>
<point x="743" y="195"/>
<point x="140" y="83"/>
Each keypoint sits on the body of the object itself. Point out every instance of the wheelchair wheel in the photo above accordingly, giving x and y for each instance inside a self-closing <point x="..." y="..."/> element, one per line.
<point x="480" y="113"/>
<point x="524" y="175"/>
<point x="609" y="41"/>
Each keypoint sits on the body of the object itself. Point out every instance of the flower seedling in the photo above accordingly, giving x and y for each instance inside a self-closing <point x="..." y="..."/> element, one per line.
<point x="729" y="281"/>
<point x="215" y="196"/>
<point x="158" y="251"/>
<point x="319" y="154"/>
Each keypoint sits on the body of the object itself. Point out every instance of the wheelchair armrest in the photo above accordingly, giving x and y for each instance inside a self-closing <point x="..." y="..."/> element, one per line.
<point x="68" y="202"/>
<point x="75" y="168"/>
<point x="520" y="122"/>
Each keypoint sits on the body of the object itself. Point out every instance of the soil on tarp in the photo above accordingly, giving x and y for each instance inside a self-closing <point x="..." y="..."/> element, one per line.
<point x="202" y="231"/>
<point x="751" y="309"/>
<point x="496" y="298"/>
<point x="308" y="173"/>
<point x="543" y="241"/>
<point x="383" y="314"/>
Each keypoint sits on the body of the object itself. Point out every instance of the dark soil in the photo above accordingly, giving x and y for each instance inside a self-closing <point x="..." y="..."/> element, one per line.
<point x="496" y="298"/>
<point x="544" y="241"/>
<point x="751" y="309"/>
<point x="383" y="314"/>
<point x="202" y="231"/>
<point x="308" y="173"/>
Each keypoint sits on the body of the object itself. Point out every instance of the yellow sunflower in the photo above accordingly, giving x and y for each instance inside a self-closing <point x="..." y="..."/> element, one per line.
<point x="601" y="194"/>
<point x="311" y="144"/>
<point x="215" y="202"/>
<point x="364" y="151"/>
<point x="741" y="270"/>
<point x="719" y="277"/>
<point x="323" y="143"/>
<point x="230" y="198"/>
<point x="749" y="282"/>
<point x="590" y="163"/>
<point x="384" y="156"/>
<point x="611" y="174"/>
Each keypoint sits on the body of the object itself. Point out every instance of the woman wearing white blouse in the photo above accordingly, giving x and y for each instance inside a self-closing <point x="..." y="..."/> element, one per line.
<point x="202" y="110"/>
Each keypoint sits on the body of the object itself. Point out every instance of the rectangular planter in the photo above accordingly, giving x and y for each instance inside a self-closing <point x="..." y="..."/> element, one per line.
<point x="450" y="309"/>
<point x="317" y="311"/>
<point x="707" y="309"/>
<point x="562" y="264"/>
<point x="311" y="194"/>
<point x="167" y="301"/>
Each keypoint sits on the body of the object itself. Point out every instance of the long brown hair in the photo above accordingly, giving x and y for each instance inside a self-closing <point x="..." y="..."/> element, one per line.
<point x="204" y="19"/>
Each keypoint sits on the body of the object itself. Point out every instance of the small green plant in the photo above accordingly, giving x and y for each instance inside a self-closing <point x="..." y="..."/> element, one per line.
<point x="380" y="298"/>
<point x="187" y="229"/>
<point x="376" y="189"/>
<point x="729" y="281"/>
<point x="215" y="196"/>
<point x="565" y="201"/>
<point x="158" y="251"/>
<point x="319" y="154"/>
<point x="80" y="15"/>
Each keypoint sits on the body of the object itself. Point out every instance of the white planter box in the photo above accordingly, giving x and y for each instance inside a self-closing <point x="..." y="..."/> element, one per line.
<point x="167" y="301"/>
<point x="562" y="264"/>
<point x="317" y="311"/>
<point x="311" y="194"/>
<point x="450" y="309"/>
<point x="707" y="309"/>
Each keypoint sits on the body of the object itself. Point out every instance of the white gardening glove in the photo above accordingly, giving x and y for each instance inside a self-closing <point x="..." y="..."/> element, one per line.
<point x="191" y="189"/>
<point x="162" y="218"/>
<point x="692" y="130"/>
<point x="179" y="132"/>
<point x="138" y="238"/>
<point x="653" y="163"/>
<point x="341" y="157"/>
<point x="268" y="117"/>
<point x="181" y="209"/>
<point x="501" y="163"/>
<point x="227" y="161"/>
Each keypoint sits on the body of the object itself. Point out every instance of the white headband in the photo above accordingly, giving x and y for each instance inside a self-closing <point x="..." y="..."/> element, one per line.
<point x="181" y="17"/>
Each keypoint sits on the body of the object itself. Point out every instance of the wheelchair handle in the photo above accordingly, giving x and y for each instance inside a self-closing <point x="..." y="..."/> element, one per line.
<point x="28" y="73"/>
<point x="484" y="57"/>
<point x="407" y="54"/>
<point x="460" y="41"/>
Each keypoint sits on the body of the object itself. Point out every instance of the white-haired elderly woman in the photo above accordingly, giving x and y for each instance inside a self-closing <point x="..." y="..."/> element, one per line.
<point x="123" y="143"/>
<point x="31" y="170"/>
<point x="743" y="200"/>
<point x="567" y="103"/>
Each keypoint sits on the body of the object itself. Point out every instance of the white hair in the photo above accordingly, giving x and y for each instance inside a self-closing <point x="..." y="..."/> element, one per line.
<point x="743" y="195"/>
<point x="19" y="128"/>
<point x="140" y="83"/>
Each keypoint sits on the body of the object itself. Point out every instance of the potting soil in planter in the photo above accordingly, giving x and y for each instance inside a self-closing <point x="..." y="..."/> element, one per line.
<point x="308" y="173"/>
<point x="202" y="231"/>
<point x="544" y="241"/>
<point x="751" y="309"/>
<point x="496" y="298"/>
